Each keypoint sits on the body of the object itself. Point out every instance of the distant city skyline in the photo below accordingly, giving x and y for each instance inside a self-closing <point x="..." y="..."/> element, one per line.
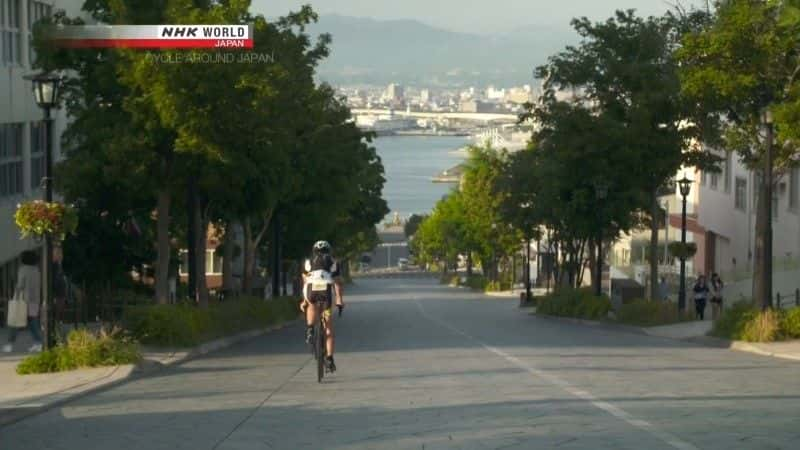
<point x="475" y="15"/>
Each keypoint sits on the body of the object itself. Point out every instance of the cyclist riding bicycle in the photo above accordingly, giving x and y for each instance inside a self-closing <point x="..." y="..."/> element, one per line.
<point x="320" y="282"/>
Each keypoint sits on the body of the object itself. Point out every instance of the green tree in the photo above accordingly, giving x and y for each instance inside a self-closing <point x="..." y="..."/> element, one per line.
<point x="623" y="71"/>
<point x="412" y="225"/>
<point x="741" y="64"/>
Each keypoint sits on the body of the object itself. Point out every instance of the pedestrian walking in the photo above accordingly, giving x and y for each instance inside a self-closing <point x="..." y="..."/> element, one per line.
<point x="663" y="289"/>
<point x="716" y="296"/>
<point x="28" y="290"/>
<point x="701" y="292"/>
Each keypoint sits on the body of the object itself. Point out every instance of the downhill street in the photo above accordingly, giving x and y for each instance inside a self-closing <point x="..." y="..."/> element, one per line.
<point x="422" y="366"/>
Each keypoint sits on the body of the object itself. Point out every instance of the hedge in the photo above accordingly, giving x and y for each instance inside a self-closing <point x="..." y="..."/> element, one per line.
<point x="648" y="313"/>
<point x="580" y="303"/>
<point x="186" y="325"/>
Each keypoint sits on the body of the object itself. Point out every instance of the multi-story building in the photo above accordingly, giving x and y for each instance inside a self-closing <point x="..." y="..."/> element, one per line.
<point x="22" y="137"/>
<point x="721" y="220"/>
<point x="395" y="93"/>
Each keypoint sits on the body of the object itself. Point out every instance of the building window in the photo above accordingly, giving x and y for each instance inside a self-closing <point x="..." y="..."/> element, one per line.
<point x="10" y="31"/>
<point x="213" y="263"/>
<point x="703" y="178"/>
<point x="727" y="172"/>
<point x="714" y="180"/>
<point x="38" y="136"/>
<point x="36" y="12"/>
<point x="794" y="189"/>
<point x="741" y="194"/>
<point x="10" y="159"/>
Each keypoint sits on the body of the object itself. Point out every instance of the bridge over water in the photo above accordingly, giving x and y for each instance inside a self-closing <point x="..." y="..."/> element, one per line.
<point x="474" y="117"/>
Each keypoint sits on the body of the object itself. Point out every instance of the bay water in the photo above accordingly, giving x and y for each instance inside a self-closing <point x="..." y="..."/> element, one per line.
<point x="410" y="162"/>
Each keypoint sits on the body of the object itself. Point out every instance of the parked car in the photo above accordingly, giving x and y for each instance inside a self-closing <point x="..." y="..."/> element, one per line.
<point x="402" y="263"/>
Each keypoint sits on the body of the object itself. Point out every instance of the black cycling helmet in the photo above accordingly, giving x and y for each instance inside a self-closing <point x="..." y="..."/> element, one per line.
<point x="322" y="247"/>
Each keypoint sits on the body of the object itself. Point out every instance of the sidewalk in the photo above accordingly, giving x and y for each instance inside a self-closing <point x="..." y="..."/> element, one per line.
<point x="23" y="396"/>
<point x="514" y="293"/>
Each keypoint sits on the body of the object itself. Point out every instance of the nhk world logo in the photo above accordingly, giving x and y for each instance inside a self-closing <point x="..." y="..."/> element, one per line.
<point x="154" y="36"/>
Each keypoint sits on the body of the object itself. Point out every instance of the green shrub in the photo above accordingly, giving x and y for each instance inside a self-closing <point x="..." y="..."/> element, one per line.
<point x="477" y="282"/>
<point x="84" y="349"/>
<point x="581" y="303"/>
<point x="648" y="313"/>
<point x="187" y="325"/>
<point x="450" y="279"/>
<point x="732" y="322"/>
<point x="764" y="327"/>
<point x="790" y="326"/>
<point x="498" y="286"/>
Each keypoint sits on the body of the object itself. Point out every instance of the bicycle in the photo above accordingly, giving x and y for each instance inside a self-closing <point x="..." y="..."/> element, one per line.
<point x="318" y="347"/>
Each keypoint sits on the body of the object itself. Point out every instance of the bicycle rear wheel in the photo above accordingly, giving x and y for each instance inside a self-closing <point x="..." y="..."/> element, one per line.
<point x="319" y="338"/>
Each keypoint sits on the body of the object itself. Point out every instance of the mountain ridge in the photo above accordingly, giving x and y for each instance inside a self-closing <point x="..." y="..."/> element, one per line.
<point x="372" y="51"/>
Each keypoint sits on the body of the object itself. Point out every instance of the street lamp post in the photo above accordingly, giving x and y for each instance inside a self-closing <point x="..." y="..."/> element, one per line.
<point x="685" y="187"/>
<point x="767" y="273"/>
<point x="601" y="192"/>
<point x="276" y="256"/>
<point x="528" y="270"/>
<point x="46" y="88"/>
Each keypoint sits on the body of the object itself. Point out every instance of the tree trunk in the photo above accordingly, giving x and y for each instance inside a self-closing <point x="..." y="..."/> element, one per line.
<point x="249" y="258"/>
<point x="469" y="264"/>
<point x="227" y="259"/>
<point x="201" y="230"/>
<point x="191" y="240"/>
<point x="759" y="273"/>
<point x="163" y="249"/>
<point x="654" y="226"/>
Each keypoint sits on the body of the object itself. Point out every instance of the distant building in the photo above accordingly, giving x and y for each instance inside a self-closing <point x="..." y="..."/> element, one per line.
<point x="519" y="95"/>
<point x="475" y="106"/>
<point x="495" y="94"/>
<point x="395" y="93"/>
<point x="425" y="96"/>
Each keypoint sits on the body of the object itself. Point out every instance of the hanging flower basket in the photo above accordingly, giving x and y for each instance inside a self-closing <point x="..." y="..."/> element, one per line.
<point x="682" y="251"/>
<point x="37" y="219"/>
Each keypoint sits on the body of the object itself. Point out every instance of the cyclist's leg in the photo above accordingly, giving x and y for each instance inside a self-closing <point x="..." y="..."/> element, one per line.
<point x="329" y="342"/>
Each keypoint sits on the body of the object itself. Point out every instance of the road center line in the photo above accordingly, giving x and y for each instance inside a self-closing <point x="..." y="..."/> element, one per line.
<point x="619" y="413"/>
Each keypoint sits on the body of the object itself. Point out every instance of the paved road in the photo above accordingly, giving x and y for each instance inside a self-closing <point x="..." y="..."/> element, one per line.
<point x="428" y="367"/>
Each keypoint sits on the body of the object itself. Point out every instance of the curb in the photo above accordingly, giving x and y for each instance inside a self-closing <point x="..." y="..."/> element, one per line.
<point x="707" y="341"/>
<point x="131" y="372"/>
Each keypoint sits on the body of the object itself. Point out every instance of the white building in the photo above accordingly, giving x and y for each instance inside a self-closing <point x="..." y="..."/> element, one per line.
<point x="721" y="220"/>
<point x="494" y="94"/>
<point x="21" y="126"/>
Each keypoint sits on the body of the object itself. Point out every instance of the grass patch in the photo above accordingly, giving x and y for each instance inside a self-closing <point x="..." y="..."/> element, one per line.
<point x="579" y="303"/>
<point x="646" y="313"/>
<point x="187" y="325"/>
<point x="84" y="348"/>
<point x="745" y="322"/>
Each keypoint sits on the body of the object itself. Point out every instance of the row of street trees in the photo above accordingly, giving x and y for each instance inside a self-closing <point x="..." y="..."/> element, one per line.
<point x="157" y="150"/>
<point x="620" y="114"/>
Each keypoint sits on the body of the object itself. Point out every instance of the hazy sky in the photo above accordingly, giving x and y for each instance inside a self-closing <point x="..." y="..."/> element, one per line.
<point x="473" y="15"/>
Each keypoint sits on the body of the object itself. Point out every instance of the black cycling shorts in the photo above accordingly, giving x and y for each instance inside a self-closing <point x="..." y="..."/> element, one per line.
<point x="319" y="297"/>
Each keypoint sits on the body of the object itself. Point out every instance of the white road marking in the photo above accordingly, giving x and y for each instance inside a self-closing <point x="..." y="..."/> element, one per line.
<point x="668" y="438"/>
